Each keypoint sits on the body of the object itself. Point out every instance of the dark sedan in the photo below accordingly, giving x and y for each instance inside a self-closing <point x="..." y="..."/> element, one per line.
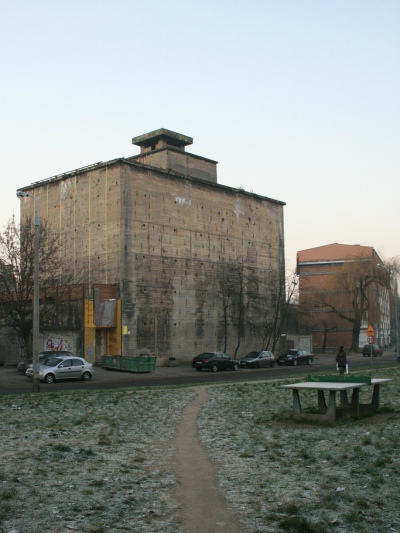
<point x="214" y="361"/>
<point x="257" y="360"/>
<point x="23" y="365"/>
<point x="371" y="349"/>
<point x="296" y="357"/>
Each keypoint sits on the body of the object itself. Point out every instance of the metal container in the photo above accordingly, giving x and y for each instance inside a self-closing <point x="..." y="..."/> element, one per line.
<point x="129" y="364"/>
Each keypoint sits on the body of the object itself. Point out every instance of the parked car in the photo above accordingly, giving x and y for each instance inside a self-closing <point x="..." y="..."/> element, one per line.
<point x="43" y="356"/>
<point x="214" y="361"/>
<point x="23" y="365"/>
<point x="371" y="348"/>
<point x="63" y="368"/>
<point x="295" y="357"/>
<point x="257" y="360"/>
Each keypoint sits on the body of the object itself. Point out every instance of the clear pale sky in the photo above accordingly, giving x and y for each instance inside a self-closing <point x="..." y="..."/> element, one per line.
<point x="297" y="100"/>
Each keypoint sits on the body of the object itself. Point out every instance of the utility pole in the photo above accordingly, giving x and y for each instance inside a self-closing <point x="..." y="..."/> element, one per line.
<point x="35" y="325"/>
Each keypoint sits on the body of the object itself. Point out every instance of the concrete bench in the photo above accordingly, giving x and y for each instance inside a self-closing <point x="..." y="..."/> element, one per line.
<point x="332" y="384"/>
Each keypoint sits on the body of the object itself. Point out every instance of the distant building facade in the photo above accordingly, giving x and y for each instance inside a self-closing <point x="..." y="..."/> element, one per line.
<point x="316" y="268"/>
<point x="154" y="233"/>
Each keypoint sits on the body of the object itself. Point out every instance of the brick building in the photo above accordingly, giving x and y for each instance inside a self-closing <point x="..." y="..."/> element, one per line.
<point x="154" y="233"/>
<point x="316" y="268"/>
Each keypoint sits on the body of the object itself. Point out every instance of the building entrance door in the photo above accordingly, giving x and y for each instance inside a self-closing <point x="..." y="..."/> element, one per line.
<point x="101" y="343"/>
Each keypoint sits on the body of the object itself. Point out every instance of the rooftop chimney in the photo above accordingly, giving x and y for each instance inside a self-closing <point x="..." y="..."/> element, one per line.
<point x="165" y="149"/>
<point x="162" y="138"/>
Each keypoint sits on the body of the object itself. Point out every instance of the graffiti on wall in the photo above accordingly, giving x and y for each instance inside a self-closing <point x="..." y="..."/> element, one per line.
<point x="57" y="344"/>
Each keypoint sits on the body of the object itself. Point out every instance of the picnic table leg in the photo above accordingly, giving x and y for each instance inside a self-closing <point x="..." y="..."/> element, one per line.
<point x="331" y="411"/>
<point x="296" y="402"/>
<point x="355" y="401"/>
<point x="375" y="397"/>
<point x="321" y="402"/>
<point x="344" y="400"/>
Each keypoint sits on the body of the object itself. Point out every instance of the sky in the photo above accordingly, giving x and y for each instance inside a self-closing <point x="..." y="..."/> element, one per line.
<point x="297" y="100"/>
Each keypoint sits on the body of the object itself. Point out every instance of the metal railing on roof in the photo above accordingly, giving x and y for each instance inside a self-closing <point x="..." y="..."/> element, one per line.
<point x="69" y="173"/>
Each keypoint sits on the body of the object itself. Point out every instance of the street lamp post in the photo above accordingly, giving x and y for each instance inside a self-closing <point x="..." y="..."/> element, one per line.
<point x="35" y="325"/>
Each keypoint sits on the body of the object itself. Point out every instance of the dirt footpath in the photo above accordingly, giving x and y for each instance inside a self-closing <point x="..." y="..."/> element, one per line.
<point x="203" y="507"/>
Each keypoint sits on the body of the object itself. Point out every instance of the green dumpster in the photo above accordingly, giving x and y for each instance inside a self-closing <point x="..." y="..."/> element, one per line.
<point x="129" y="364"/>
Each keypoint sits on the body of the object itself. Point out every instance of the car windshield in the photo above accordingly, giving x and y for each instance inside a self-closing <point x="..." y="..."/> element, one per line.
<point x="52" y="362"/>
<point x="205" y="355"/>
<point x="251" y="355"/>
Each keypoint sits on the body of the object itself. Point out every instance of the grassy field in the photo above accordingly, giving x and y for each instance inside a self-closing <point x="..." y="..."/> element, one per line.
<point x="288" y="476"/>
<point x="103" y="461"/>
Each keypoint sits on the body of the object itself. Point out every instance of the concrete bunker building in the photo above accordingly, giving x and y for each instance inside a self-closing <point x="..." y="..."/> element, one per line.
<point x="155" y="234"/>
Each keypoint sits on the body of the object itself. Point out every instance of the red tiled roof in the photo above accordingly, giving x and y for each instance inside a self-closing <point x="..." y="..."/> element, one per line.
<point x="335" y="252"/>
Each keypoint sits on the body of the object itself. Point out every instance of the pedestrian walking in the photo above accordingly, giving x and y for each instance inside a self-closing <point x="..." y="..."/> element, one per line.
<point x="341" y="360"/>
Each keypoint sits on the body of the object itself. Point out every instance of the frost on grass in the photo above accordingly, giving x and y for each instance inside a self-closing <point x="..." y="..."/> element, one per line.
<point x="284" y="476"/>
<point x="103" y="461"/>
<point x="90" y="462"/>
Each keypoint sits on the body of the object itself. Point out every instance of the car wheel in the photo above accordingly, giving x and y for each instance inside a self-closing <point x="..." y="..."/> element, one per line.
<point x="309" y="361"/>
<point x="86" y="376"/>
<point x="198" y="369"/>
<point x="235" y="367"/>
<point x="214" y="368"/>
<point x="271" y="365"/>
<point x="294" y="362"/>
<point x="49" y="378"/>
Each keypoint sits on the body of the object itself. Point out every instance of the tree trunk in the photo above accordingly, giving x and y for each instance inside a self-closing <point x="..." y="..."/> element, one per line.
<point x="236" y="351"/>
<point x="355" y="338"/>
<point x="225" y="332"/>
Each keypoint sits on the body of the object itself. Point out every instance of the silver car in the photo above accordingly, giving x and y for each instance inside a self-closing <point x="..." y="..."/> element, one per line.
<point x="48" y="355"/>
<point x="258" y="359"/>
<point x="63" y="368"/>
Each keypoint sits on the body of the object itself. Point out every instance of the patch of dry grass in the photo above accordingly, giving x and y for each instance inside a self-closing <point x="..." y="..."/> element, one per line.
<point x="103" y="461"/>
<point x="89" y="462"/>
<point x="299" y="477"/>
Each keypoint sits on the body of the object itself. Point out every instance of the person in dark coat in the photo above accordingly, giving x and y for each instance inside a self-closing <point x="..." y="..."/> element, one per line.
<point x="341" y="360"/>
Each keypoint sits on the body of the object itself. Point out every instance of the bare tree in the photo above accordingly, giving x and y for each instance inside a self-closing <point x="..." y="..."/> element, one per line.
<point x="269" y="310"/>
<point x="351" y="292"/>
<point x="238" y="286"/>
<point x="316" y="317"/>
<point x="226" y="289"/>
<point x="254" y="304"/>
<point x="240" y="301"/>
<point x="17" y="276"/>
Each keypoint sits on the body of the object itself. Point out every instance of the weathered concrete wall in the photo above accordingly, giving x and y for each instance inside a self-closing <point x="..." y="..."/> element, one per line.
<point x="84" y="210"/>
<point x="176" y="235"/>
<point x="10" y="350"/>
<point x="189" y="165"/>
<point x="164" y="240"/>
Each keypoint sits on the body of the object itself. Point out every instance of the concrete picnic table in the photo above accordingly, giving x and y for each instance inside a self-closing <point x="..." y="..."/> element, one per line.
<point x="333" y="384"/>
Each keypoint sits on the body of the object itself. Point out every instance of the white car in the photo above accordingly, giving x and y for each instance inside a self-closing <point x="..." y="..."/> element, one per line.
<point x="63" y="368"/>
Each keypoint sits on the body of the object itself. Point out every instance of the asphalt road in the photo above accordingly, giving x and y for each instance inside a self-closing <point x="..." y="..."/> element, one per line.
<point x="12" y="382"/>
